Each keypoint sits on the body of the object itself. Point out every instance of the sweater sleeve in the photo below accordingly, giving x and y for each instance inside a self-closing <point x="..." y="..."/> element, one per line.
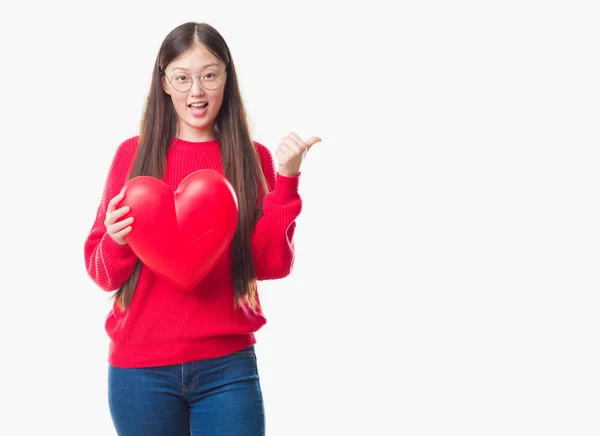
<point x="108" y="263"/>
<point x="272" y="240"/>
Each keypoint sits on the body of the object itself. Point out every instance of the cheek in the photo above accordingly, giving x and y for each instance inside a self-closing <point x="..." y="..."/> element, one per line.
<point x="179" y="100"/>
<point x="179" y="103"/>
<point x="217" y="100"/>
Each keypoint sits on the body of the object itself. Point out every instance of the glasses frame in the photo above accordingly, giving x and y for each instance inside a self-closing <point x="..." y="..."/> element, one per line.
<point x="192" y="82"/>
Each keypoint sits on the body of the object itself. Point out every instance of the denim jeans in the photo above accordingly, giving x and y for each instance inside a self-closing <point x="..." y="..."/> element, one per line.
<point x="212" y="397"/>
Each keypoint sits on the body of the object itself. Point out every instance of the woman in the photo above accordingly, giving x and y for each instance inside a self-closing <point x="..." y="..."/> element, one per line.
<point x="180" y="362"/>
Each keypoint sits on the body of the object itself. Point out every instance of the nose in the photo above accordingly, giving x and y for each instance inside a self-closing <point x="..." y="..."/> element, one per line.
<point x="196" y="88"/>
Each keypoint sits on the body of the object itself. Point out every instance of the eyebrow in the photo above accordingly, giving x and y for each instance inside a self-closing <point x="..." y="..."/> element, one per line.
<point x="205" y="66"/>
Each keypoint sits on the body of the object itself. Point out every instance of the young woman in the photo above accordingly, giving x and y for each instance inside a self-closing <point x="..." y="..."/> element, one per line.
<point x="183" y="363"/>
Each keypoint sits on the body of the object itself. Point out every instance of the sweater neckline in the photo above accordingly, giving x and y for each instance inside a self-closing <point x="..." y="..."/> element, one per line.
<point x="198" y="145"/>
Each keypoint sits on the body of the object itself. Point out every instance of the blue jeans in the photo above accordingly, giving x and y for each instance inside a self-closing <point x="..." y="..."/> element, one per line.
<point x="212" y="397"/>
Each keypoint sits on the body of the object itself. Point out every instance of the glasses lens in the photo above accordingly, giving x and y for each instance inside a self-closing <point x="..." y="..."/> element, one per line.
<point x="181" y="82"/>
<point x="211" y="80"/>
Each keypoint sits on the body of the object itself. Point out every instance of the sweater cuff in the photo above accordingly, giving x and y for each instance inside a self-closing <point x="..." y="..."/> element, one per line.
<point x="286" y="188"/>
<point x="112" y="250"/>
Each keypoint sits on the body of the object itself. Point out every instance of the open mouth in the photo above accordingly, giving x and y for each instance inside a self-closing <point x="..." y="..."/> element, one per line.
<point x="198" y="109"/>
<point x="198" y="105"/>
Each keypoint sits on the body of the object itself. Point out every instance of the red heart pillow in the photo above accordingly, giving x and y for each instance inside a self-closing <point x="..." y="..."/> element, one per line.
<point x="181" y="234"/>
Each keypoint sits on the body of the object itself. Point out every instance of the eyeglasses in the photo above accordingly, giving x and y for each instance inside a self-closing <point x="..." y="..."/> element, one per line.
<point x="182" y="82"/>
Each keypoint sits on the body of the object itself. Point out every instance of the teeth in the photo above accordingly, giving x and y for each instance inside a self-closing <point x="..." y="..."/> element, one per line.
<point x="198" y="104"/>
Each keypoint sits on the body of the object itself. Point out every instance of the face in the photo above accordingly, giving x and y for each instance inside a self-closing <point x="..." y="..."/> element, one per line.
<point x="196" y="107"/>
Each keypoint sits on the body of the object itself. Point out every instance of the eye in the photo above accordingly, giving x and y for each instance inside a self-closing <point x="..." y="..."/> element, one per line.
<point x="181" y="78"/>
<point x="210" y="76"/>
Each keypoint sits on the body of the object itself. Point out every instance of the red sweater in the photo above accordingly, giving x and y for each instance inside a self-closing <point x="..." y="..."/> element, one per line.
<point x="164" y="325"/>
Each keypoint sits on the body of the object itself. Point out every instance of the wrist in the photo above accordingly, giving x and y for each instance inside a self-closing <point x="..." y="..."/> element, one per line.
<point x="287" y="172"/>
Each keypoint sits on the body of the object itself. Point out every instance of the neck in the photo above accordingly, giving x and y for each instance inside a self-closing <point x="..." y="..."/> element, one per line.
<point x="186" y="133"/>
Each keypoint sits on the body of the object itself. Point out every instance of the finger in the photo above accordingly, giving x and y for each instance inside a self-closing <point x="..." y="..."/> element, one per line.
<point x="113" y="216"/>
<point x="280" y="155"/>
<point x="312" y="141"/>
<point x="308" y="143"/>
<point x="297" y="139"/>
<point x="293" y="145"/>
<point x="121" y="211"/>
<point x="112" y="205"/>
<point x="116" y="227"/>
<point x="121" y="234"/>
<point x="285" y="153"/>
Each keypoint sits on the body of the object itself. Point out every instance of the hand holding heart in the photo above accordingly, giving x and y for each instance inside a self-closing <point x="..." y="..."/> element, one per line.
<point x="117" y="229"/>
<point x="290" y="153"/>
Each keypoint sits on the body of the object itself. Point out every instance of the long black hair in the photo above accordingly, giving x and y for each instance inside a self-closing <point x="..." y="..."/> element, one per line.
<point x="238" y="152"/>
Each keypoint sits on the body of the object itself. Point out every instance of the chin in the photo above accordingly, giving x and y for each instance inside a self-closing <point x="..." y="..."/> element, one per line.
<point x="200" y="125"/>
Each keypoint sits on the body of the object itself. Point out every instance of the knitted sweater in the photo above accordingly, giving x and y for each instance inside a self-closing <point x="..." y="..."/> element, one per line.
<point x="164" y="325"/>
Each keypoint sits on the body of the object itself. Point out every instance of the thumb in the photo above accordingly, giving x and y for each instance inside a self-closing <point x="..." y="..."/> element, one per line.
<point x="312" y="141"/>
